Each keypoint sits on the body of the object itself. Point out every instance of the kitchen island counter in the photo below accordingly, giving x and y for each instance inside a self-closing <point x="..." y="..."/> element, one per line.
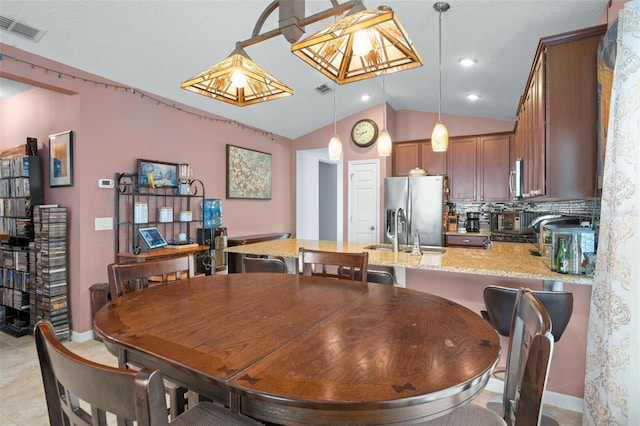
<point x="504" y="259"/>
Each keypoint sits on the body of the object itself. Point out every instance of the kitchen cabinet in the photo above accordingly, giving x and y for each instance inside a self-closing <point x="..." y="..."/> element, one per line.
<point x="409" y="155"/>
<point x="478" y="168"/>
<point x="556" y="133"/>
<point x="471" y="241"/>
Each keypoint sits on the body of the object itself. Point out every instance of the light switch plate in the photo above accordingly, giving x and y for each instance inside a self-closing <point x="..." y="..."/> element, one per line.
<point x="104" y="223"/>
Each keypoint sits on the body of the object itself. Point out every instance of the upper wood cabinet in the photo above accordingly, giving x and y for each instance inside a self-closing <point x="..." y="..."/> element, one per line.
<point x="409" y="155"/>
<point x="479" y="168"/>
<point x="556" y="133"/>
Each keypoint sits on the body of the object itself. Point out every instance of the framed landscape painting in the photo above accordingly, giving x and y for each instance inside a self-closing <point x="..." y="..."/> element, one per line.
<point x="248" y="174"/>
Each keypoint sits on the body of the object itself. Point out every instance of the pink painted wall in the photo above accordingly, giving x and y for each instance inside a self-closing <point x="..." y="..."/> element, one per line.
<point x="568" y="363"/>
<point x="113" y="128"/>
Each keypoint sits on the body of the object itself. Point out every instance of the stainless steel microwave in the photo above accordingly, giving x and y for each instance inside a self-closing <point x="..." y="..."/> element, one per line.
<point x="512" y="222"/>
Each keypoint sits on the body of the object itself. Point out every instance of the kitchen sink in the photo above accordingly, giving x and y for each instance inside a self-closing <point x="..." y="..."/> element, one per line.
<point x="406" y="248"/>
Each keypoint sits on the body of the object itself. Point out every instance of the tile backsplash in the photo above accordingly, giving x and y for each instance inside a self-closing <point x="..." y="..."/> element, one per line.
<point x="588" y="208"/>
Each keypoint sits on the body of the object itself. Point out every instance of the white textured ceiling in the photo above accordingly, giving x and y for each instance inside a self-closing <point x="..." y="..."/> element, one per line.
<point x="155" y="45"/>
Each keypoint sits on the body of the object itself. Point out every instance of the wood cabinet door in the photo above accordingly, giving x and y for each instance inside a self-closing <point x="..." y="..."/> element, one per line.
<point x="493" y="155"/>
<point x="462" y="169"/>
<point x="406" y="156"/>
<point x="433" y="162"/>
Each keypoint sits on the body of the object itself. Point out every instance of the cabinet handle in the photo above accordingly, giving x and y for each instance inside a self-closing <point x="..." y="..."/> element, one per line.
<point x="466" y="241"/>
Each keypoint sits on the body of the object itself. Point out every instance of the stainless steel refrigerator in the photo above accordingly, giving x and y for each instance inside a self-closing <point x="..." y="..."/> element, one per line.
<point x="421" y="201"/>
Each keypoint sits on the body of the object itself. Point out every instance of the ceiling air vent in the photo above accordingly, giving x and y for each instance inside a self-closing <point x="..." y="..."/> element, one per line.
<point x="16" y="27"/>
<point x="323" y="88"/>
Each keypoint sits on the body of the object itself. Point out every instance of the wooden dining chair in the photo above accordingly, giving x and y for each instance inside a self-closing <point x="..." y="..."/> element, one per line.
<point x="263" y="264"/>
<point x="373" y="276"/>
<point x="134" y="276"/>
<point x="327" y="264"/>
<point x="125" y="394"/>
<point x="528" y="359"/>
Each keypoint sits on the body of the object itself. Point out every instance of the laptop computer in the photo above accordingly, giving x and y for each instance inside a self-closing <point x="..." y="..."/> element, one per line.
<point x="152" y="237"/>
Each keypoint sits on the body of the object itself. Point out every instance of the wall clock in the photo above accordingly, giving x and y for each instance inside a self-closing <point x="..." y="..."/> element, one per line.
<point x="364" y="132"/>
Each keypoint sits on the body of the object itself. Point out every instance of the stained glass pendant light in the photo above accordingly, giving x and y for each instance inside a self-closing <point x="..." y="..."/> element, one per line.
<point x="363" y="44"/>
<point x="237" y="80"/>
<point x="440" y="135"/>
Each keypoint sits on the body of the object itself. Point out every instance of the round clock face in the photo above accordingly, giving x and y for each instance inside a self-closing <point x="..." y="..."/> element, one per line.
<point x="364" y="132"/>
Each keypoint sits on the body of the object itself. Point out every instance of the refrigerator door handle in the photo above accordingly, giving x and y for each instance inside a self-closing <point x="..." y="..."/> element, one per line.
<point x="512" y="175"/>
<point x="408" y="215"/>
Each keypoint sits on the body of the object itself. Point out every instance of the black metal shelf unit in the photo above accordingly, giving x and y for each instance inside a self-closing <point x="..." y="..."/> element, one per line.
<point x="139" y="206"/>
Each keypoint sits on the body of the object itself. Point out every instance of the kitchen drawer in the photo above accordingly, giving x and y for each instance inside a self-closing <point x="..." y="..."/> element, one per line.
<point x="465" y="240"/>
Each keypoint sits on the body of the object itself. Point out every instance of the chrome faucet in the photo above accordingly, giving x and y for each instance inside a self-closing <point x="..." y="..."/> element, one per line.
<point x="394" y="223"/>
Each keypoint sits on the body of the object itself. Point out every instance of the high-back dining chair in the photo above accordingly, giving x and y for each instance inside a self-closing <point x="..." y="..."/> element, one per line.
<point x="499" y="303"/>
<point x="373" y="276"/>
<point x="133" y="276"/>
<point x="263" y="264"/>
<point x="328" y="263"/>
<point x="528" y="359"/>
<point x="128" y="395"/>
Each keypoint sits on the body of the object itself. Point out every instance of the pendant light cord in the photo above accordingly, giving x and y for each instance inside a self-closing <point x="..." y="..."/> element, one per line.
<point x="335" y="126"/>
<point x="384" y="105"/>
<point x="439" y="63"/>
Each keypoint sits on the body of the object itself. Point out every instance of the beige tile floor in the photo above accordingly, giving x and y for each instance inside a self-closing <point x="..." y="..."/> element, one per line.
<point x="22" y="401"/>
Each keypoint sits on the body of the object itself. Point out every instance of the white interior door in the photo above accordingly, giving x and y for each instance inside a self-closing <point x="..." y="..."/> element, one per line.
<point x="364" y="201"/>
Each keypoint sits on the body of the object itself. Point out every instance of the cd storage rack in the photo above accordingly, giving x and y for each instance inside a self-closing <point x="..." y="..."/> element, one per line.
<point x="20" y="190"/>
<point x="49" y="298"/>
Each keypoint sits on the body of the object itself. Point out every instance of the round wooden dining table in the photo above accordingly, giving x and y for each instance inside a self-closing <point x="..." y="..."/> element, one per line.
<point x="299" y="350"/>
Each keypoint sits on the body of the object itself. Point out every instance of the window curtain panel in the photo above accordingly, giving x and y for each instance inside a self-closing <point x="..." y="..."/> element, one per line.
<point x="612" y="377"/>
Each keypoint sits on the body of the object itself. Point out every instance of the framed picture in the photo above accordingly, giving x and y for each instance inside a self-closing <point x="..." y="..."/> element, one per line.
<point x="248" y="174"/>
<point x="61" y="159"/>
<point x="157" y="173"/>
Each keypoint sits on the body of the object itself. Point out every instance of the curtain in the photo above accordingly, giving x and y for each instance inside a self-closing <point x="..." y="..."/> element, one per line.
<point x="612" y="377"/>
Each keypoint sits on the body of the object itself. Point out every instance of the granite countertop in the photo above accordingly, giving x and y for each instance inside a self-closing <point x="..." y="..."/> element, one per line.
<point x="504" y="259"/>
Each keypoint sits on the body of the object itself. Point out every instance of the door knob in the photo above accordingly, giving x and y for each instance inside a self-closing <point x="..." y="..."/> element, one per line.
<point x="372" y="227"/>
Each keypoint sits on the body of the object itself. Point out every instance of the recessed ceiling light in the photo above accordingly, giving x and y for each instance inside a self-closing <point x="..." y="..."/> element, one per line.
<point x="365" y="98"/>
<point x="473" y="97"/>
<point x="467" y="62"/>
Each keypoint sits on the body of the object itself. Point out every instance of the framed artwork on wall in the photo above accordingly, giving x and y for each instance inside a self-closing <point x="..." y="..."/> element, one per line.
<point x="157" y="173"/>
<point x="61" y="159"/>
<point x="248" y="174"/>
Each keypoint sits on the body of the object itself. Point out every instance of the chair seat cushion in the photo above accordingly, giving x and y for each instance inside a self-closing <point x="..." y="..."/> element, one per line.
<point x="207" y="413"/>
<point x="470" y="414"/>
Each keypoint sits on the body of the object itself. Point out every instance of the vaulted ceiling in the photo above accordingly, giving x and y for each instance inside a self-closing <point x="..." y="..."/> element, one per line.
<point x="155" y="45"/>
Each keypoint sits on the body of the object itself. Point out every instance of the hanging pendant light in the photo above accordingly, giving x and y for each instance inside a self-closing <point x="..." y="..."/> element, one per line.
<point x="335" y="144"/>
<point x="440" y="135"/>
<point x="384" y="144"/>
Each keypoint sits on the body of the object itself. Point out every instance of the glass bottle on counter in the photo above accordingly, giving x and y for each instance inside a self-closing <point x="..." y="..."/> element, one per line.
<point x="562" y="257"/>
<point x="575" y="255"/>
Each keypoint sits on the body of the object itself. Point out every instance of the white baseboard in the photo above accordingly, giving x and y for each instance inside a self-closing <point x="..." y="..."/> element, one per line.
<point x="560" y="400"/>
<point x="81" y="337"/>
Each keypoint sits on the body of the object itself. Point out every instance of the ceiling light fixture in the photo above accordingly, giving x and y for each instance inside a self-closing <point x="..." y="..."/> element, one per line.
<point x="473" y="97"/>
<point x="384" y="143"/>
<point x="363" y="44"/>
<point x="467" y="62"/>
<point x="381" y="46"/>
<point x="335" y="144"/>
<point x="440" y="135"/>
<point x="237" y="80"/>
